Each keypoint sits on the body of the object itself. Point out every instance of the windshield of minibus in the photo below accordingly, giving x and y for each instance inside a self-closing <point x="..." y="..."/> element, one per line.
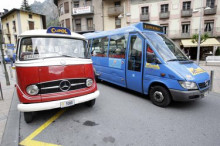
<point x="40" y="48"/>
<point x="165" y="47"/>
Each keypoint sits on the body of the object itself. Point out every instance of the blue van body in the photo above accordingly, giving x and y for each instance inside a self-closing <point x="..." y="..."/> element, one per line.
<point x="169" y="66"/>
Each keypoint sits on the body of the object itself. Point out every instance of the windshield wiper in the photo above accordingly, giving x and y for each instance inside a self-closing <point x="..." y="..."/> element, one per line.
<point x="65" y="56"/>
<point x="178" y="60"/>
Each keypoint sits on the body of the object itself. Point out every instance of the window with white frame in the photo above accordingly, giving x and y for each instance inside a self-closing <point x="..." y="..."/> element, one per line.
<point x="165" y="28"/>
<point x="185" y="28"/>
<point x="144" y="10"/>
<point x="187" y="5"/>
<point x="209" y="26"/>
<point x="164" y="8"/>
<point x="210" y="3"/>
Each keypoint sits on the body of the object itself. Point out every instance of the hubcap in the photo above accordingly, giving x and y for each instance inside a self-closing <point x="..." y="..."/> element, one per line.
<point x="158" y="96"/>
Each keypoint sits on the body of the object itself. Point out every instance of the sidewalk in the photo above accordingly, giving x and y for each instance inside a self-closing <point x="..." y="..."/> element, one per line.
<point x="7" y="94"/>
<point x="216" y="79"/>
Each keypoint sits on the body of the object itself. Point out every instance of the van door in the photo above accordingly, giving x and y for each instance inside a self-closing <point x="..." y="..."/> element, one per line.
<point x="135" y="62"/>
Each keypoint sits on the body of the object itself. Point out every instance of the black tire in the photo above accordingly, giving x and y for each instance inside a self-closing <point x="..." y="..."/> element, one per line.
<point x="28" y="117"/>
<point x="90" y="103"/>
<point x="160" y="96"/>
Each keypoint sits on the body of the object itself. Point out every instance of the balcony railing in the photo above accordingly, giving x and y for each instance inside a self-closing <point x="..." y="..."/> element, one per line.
<point x="177" y="34"/>
<point x="115" y="11"/>
<point x="186" y="13"/>
<point x="210" y="11"/>
<point x="144" y="17"/>
<point x="83" y="10"/>
<point x="84" y="28"/>
<point x="164" y="15"/>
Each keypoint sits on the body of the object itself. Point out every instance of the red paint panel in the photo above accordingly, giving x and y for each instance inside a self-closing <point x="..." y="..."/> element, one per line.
<point x="74" y="71"/>
<point x="27" y="76"/>
<point x="89" y="71"/>
<point x="50" y="73"/>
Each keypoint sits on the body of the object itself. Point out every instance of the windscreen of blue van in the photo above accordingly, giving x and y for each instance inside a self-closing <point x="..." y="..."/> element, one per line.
<point x="165" y="47"/>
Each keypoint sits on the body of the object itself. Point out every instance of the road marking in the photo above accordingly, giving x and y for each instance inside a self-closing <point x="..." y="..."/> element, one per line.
<point x="29" y="142"/>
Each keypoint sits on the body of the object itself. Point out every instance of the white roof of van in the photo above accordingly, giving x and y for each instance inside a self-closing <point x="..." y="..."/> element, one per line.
<point x="43" y="32"/>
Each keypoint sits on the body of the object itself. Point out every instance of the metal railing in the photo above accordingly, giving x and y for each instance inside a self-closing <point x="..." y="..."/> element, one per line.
<point x="177" y="34"/>
<point x="84" y="28"/>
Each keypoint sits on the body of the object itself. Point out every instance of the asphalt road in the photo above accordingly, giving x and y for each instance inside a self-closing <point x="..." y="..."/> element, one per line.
<point x="121" y="117"/>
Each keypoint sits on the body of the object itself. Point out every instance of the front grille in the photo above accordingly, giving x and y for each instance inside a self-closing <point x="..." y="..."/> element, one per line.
<point x="61" y="85"/>
<point x="204" y="84"/>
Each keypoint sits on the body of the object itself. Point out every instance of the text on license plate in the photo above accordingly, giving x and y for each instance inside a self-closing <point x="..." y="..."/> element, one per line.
<point x="67" y="103"/>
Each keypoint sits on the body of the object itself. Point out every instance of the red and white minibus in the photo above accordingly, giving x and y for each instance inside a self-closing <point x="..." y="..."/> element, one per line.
<point x="53" y="71"/>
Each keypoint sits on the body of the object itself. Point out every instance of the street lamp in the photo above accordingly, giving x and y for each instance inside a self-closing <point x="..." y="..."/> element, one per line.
<point x="199" y="39"/>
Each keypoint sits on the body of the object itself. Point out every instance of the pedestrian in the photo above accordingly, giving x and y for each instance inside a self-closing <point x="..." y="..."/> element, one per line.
<point x="10" y="54"/>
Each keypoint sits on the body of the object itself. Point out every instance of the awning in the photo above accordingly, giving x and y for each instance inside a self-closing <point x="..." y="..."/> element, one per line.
<point x="209" y="42"/>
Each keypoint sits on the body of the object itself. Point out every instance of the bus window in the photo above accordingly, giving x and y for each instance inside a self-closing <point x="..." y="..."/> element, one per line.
<point x="135" y="54"/>
<point x="117" y="46"/>
<point x="100" y="47"/>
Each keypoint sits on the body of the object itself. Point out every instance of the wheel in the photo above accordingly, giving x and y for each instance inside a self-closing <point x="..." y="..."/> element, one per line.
<point x="28" y="117"/>
<point x="90" y="103"/>
<point x="160" y="96"/>
<point x="96" y="78"/>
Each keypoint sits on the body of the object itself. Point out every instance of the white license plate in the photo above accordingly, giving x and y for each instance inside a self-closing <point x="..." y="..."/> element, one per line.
<point x="67" y="103"/>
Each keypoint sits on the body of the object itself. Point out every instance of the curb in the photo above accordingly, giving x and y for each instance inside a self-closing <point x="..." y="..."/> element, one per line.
<point x="11" y="133"/>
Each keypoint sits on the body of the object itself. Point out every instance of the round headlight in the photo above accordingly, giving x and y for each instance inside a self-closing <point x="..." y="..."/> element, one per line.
<point x="89" y="82"/>
<point x="32" y="90"/>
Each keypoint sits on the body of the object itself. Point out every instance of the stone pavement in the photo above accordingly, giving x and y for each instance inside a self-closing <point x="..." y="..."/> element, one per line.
<point x="7" y="95"/>
<point x="216" y="78"/>
<point x="9" y="90"/>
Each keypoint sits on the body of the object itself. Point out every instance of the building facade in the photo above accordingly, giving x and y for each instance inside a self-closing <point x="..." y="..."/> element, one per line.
<point x="80" y="16"/>
<point x="180" y="20"/>
<point x="17" y="21"/>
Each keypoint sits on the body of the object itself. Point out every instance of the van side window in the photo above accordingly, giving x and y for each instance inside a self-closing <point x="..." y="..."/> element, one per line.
<point x="100" y="47"/>
<point x="135" y="54"/>
<point x="150" y="55"/>
<point x="117" y="46"/>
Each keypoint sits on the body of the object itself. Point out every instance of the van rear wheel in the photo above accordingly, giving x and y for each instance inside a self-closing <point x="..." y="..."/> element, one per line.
<point x="28" y="117"/>
<point x="160" y="96"/>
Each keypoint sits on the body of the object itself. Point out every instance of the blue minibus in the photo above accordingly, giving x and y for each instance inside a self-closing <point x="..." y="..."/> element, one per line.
<point x="141" y="58"/>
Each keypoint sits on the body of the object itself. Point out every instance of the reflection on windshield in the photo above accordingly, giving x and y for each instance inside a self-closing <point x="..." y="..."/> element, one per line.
<point x="165" y="47"/>
<point x="38" y="48"/>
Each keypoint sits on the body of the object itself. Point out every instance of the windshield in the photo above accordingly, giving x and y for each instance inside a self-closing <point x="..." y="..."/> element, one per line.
<point x="40" y="48"/>
<point x="165" y="47"/>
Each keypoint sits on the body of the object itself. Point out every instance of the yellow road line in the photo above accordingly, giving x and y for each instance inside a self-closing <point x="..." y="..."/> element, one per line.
<point x="29" y="142"/>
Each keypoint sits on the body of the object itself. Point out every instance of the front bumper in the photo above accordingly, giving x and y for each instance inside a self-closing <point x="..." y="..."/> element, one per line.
<point x="55" y="104"/>
<point x="187" y="95"/>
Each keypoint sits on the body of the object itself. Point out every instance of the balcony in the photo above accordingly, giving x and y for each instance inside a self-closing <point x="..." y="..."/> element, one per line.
<point x="185" y="35"/>
<point x="115" y="11"/>
<point x="211" y="11"/>
<point x="83" y="10"/>
<point x="144" y="17"/>
<point x="186" y="13"/>
<point x="84" y="29"/>
<point x="164" y="15"/>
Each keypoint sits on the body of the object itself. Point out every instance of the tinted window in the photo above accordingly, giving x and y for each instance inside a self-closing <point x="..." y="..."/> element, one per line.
<point x="117" y="46"/>
<point x="100" y="47"/>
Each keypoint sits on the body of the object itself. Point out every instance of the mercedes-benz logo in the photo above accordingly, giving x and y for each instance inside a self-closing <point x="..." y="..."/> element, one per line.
<point x="65" y="85"/>
<point x="62" y="62"/>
